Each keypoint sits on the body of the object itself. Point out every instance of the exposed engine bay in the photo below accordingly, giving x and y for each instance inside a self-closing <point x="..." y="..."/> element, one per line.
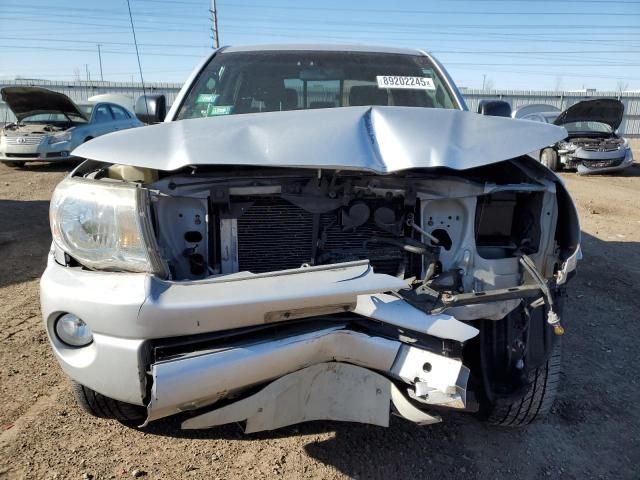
<point x="596" y="151"/>
<point x="455" y="239"/>
<point x="36" y="128"/>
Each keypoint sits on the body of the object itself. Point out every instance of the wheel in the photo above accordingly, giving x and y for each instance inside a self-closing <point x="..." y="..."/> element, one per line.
<point x="549" y="159"/>
<point x="15" y="164"/>
<point x="537" y="400"/>
<point x="100" y="406"/>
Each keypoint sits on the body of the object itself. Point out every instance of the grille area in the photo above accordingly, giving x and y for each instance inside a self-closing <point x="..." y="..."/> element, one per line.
<point x="21" y="155"/>
<point x="614" y="162"/>
<point x="603" y="147"/>
<point x="33" y="139"/>
<point x="274" y="234"/>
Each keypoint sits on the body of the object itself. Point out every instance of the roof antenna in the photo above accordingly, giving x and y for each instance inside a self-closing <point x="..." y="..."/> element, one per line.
<point x="144" y="92"/>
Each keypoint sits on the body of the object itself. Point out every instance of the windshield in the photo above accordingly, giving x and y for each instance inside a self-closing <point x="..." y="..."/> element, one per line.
<point x="587" y="127"/>
<point x="86" y="109"/>
<point x="51" y="117"/>
<point x="249" y="82"/>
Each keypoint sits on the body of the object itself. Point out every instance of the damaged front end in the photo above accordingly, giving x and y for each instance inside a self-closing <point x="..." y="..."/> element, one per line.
<point x="284" y="294"/>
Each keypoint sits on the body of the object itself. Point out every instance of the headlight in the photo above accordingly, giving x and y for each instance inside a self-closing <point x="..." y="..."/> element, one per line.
<point x="73" y="331"/>
<point x="60" y="137"/>
<point x="104" y="226"/>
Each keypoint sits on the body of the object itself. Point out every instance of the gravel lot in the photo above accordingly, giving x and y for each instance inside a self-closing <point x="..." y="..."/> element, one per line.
<point x="593" y="432"/>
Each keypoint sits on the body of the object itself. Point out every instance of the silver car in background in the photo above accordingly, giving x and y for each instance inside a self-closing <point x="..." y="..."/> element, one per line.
<point x="592" y="145"/>
<point x="50" y="125"/>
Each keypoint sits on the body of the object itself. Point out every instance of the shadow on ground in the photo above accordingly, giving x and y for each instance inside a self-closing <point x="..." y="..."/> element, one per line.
<point x="24" y="239"/>
<point x="48" y="166"/>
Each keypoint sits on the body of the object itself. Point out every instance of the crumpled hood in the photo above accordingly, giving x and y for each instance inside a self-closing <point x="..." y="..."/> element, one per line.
<point x="603" y="110"/>
<point x="377" y="139"/>
<point x="26" y="101"/>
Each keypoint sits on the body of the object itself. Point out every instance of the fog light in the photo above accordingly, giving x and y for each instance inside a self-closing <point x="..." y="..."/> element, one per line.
<point x="73" y="331"/>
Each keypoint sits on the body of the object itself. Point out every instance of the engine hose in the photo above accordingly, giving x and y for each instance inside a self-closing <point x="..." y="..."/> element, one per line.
<point x="408" y="244"/>
<point x="553" y="318"/>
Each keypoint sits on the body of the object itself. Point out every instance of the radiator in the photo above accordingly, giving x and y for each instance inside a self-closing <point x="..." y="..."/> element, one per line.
<point x="274" y="234"/>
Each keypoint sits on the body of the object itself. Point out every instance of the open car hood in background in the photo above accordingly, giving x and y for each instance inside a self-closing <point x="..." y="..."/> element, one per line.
<point x="26" y="101"/>
<point x="603" y="110"/>
<point x="376" y="139"/>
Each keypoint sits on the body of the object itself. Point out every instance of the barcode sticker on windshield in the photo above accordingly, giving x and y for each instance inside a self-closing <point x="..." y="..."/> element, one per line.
<point x="411" y="83"/>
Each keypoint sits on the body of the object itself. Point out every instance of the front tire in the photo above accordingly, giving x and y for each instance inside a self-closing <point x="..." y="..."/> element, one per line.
<point x="536" y="402"/>
<point x="549" y="158"/>
<point x="98" y="405"/>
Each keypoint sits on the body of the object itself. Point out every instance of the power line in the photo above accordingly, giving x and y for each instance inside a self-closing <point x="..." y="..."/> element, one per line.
<point x="163" y="45"/>
<point x="46" y="17"/>
<point x="65" y="49"/>
<point x="108" y="25"/>
<point x="429" y="12"/>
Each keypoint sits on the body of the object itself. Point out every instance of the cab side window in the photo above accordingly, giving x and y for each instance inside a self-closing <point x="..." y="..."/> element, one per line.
<point x="102" y="114"/>
<point x="119" y="113"/>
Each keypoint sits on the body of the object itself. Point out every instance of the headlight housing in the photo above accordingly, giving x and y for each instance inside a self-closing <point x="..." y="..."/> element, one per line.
<point x="61" y="137"/>
<point x="104" y="226"/>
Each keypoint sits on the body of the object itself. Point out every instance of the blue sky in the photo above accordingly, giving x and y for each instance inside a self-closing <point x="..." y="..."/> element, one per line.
<point x="515" y="44"/>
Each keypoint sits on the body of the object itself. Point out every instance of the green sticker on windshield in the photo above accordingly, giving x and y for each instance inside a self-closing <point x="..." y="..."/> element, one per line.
<point x="214" y="110"/>
<point x="207" y="98"/>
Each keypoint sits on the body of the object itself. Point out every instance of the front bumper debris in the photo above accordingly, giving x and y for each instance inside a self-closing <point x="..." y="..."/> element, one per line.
<point x="330" y="391"/>
<point x="589" y="161"/>
<point x="128" y="312"/>
<point x="187" y="382"/>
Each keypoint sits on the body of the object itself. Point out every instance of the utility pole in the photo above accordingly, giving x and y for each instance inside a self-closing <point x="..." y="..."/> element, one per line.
<point x="100" y="60"/>
<point x="484" y="80"/>
<point x="215" y="36"/>
<point x="86" y="70"/>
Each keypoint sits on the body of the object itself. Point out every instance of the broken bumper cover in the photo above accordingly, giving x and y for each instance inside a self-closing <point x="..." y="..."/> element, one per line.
<point x="126" y="312"/>
<point x="603" y="165"/>
<point x="587" y="162"/>
<point x="187" y="383"/>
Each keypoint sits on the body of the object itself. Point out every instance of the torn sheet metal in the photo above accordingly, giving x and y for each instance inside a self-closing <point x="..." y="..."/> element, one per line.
<point x="377" y="139"/>
<point x="437" y="380"/>
<point x="328" y="391"/>
<point x="201" y="378"/>
<point x="396" y="311"/>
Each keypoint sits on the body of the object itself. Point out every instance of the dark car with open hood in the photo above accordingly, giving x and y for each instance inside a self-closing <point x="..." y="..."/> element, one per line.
<point x="313" y="232"/>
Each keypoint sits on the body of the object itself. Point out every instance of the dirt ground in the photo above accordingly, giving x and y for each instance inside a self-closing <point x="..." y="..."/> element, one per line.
<point x="593" y="431"/>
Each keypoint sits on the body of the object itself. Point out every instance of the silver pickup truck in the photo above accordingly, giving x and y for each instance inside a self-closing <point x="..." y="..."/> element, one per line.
<point x="313" y="232"/>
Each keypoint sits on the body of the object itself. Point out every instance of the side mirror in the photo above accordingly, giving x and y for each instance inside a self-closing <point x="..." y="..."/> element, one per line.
<point x="494" y="108"/>
<point x="151" y="108"/>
